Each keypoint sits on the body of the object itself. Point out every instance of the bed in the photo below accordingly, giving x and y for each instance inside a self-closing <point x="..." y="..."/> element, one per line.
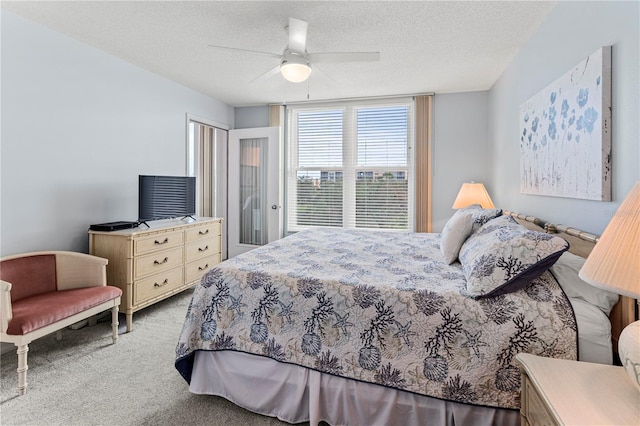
<point x="374" y="327"/>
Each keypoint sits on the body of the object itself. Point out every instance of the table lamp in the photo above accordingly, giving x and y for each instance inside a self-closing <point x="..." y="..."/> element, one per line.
<point x="473" y="193"/>
<point x="614" y="264"/>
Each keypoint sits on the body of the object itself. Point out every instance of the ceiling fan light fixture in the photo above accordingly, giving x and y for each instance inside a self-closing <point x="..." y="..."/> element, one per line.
<point x="295" y="68"/>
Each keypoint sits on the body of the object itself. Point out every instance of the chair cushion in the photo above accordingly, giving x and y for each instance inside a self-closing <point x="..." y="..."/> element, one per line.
<point x="38" y="311"/>
<point x="30" y="275"/>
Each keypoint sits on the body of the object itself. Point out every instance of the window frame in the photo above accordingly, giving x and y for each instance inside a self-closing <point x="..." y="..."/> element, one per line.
<point x="350" y="142"/>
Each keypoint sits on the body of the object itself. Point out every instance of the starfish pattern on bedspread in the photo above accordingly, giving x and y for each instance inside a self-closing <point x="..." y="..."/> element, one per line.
<point x="380" y="307"/>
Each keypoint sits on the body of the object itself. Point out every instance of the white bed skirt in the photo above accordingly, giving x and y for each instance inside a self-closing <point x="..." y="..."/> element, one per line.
<point x="295" y="394"/>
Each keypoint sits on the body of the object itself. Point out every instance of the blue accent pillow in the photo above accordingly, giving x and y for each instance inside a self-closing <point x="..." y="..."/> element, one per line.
<point x="481" y="216"/>
<point x="502" y="257"/>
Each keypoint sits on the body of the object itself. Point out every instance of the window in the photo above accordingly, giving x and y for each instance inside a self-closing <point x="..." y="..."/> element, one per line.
<point x="350" y="165"/>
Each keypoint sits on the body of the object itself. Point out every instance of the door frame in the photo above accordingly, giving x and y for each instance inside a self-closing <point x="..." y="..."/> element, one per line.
<point x="274" y="186"/>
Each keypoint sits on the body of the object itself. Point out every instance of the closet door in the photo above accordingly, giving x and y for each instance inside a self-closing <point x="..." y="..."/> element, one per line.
<point x="255" y="213"/>
<point x="207" y="161"/>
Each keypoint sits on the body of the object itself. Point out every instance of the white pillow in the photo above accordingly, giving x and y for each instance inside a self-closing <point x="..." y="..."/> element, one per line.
<point x="594" y="333"/>
<point x="454" y="234"/>
<point x="566" y="272"/>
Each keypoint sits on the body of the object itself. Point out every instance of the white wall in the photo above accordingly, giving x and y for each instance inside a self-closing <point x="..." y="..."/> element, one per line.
<point x="571" y="32"/>
<point x="78" y="127"/>
<point x="250" y="117"/>
<point x="459" y="150"/>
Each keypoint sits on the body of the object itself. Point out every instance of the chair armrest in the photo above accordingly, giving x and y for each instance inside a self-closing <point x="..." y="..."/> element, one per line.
<point x="78" y="270"/>
<point x="6" y="312"/>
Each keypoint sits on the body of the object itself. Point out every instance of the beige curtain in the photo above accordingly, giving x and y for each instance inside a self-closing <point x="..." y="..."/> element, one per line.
<point x="208" y="163"/>
<point x="206" y="169"/>
<point x="211" y="169"/>
<point x="276" y="117"/>
<point x="423" y="106"/>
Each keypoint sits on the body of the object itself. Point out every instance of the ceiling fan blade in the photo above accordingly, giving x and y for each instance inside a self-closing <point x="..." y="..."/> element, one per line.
<point x="344" y="57"/>
<point x="268" y="74"/>
<point x="235" y="49"/>
<point x="297" y="35"/>
<point x="324" y="74"/>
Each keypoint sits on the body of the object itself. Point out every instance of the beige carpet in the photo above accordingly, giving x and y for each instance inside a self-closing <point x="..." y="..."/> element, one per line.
<point x="86" y="380"/>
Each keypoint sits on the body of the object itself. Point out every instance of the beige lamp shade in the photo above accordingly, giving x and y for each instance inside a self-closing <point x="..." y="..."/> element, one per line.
<point x="473" y="193"/>
<point x="614" y="263"/>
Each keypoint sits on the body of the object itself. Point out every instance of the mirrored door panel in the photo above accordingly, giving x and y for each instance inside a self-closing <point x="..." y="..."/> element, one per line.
<point x="255" y="215"/>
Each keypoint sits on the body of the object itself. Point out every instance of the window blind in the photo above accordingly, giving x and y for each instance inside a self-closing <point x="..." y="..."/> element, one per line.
<point x="381" y="176"/>
<point x="350" y="165"/>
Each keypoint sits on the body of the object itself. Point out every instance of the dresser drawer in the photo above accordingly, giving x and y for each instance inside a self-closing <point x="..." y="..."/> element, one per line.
<point x="157" y="262"/>
<point x="203" y="232"/>
<point x="200" y="249"/>
<point x="159" y="241"/>
<point x="158" y="285"/>
<point x="195" y="270"/>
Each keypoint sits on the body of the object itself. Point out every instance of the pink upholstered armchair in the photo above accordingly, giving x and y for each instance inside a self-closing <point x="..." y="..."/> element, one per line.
<point x="43" y="292"/>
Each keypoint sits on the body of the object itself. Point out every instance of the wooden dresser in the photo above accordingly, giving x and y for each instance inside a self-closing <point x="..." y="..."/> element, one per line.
<point x="151" y="264"/>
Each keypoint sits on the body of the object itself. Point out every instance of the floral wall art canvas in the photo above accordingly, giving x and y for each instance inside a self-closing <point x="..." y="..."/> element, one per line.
<point x="565" y="134"/>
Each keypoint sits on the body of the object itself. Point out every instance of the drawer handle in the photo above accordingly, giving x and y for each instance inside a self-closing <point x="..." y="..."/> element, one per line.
<point x="203" y="233"/>
<point x="165" y="282"/>
<point x="203" y="249"/>
<point x="202" y="268"/>
<point x="165" y="260"/>
<point x="159" y="243"/>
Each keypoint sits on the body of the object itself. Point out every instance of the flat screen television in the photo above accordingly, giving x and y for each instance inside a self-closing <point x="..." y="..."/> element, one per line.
<point x="166" y="197"/>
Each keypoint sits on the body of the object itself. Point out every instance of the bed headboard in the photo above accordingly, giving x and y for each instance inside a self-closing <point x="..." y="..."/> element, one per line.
<point x="581" y="243"/>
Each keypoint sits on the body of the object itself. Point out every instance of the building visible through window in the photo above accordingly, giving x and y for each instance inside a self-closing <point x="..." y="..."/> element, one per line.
<point x="350" y="165"/>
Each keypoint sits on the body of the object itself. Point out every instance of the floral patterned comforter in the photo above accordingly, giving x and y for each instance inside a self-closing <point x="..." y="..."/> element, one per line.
<point x="379" y="307"/>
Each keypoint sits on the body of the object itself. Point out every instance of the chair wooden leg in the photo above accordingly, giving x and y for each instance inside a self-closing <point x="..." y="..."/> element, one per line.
<point x="22" y="369"/>
<point x="93" y="320"/>
<point x="114" y="323"/>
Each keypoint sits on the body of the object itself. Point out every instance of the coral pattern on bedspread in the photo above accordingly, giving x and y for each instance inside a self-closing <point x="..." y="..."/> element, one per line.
<point x="380" y="307"/>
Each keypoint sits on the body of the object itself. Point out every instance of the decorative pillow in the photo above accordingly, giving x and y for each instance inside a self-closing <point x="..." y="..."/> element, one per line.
<point x="454" y="234"/>
<point x="503" y="256"/>
<point x="566" y="272"/>
<point x="481" y="216"/>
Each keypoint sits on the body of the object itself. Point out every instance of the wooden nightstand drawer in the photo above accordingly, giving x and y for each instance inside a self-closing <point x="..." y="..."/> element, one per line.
<point x="158" y="241"/>
<point x="158" y="285"/>
<point x="157" y="262"/>
<point x="536" y="412"/>
<point x="203" y="232"/>
<point x="195" y="270"/>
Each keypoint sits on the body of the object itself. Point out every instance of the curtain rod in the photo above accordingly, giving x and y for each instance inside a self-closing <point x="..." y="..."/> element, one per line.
<point x="352" y="99"/>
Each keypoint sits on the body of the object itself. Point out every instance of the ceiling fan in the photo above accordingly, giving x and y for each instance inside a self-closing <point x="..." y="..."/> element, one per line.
<point x="295" y="61"/>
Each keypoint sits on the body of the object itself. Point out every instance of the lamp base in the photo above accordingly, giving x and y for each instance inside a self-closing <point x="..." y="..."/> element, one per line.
<point x="629" y="350"/>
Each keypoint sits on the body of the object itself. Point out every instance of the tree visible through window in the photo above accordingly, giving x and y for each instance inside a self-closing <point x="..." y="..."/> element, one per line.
<point x="349" y="165"/>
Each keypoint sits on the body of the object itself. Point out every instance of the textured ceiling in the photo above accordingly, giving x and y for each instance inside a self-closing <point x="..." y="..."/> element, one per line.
<point x="425" y="46"/>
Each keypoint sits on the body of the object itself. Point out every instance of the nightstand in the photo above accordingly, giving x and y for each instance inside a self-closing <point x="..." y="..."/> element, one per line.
<point x="563" y="392"/>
